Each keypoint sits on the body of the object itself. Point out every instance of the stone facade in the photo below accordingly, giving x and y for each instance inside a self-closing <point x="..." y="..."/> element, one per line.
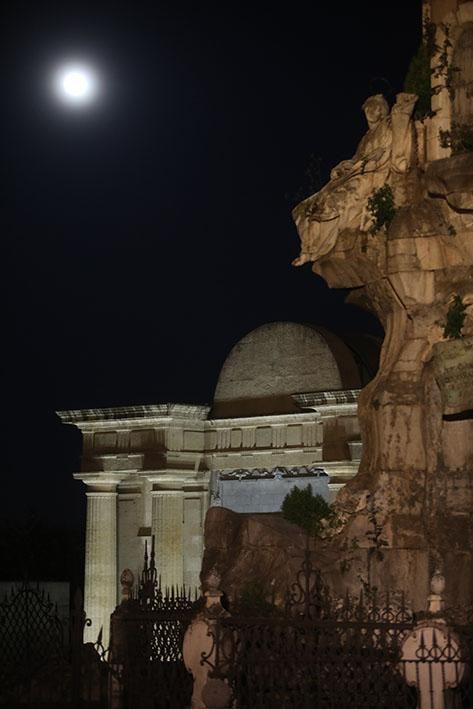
<point x="148" y="469"/>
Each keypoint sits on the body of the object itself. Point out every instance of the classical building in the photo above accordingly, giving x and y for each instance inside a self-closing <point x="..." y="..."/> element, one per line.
<point x="284" y="412"/>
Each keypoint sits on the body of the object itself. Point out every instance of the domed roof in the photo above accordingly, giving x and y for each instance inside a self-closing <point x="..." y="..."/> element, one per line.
<point x="279" y="359"/>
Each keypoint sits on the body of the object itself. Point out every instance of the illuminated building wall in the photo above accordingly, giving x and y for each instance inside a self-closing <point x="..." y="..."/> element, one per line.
<point x="147" y="469"/>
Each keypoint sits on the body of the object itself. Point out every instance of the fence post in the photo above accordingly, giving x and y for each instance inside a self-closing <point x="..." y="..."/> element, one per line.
<point x="201" y="649"/>
<point x="76" y="640"/>
<point x="431" y="657"/>
<point x="122" y="640"/>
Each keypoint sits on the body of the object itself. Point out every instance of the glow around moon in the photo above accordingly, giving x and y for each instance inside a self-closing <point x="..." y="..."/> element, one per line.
<point x="76" y="85"/>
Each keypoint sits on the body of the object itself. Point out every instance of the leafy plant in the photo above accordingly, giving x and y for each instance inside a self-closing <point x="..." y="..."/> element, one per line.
<point x="455" y="318"/>
<point x="375" y="532"/>
<point x="305" y="509"/>
<point x="444" y="69"/>
<point x="459" y="139"/>
<point x="381" y="207"/>
<point x="417" y="81"/>
<point x="349" y="548"/>
<point x="431" y="60"/>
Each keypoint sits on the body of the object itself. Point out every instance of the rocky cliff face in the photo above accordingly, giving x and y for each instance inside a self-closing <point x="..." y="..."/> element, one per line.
<point x="395" y="224"/>
<point x="410" y="509"/>
<point x="250" y="551"/>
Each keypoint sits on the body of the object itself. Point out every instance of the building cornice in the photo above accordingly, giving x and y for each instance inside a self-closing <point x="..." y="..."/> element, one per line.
<point x="269" y="419"/>
<point x="134" y="413"/>
<point x="319" y="399"/>
<point x="197" y="412"/>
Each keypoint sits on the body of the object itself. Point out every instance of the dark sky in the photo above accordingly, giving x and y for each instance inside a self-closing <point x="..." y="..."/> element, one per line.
<point x="143" y="238"/>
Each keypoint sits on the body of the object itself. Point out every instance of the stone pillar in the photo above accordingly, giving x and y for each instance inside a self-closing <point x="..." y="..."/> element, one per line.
<point x="204" y="638"/>
<point x="432" y="659"/>
<point x="193" y="540"/>
<point x="167" y="528"/>
<point x="100" y="597"/>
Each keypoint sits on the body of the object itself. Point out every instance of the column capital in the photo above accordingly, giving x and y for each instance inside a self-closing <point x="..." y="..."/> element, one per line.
<point x="100" y="482"/>
<point x="103" y="494"/>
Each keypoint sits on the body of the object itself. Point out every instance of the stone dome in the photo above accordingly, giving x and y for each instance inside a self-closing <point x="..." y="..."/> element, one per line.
<point x="279" y="359"/>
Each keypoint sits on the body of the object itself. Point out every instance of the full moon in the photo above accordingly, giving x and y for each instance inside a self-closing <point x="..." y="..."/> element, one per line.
<point x="76" y="85"/>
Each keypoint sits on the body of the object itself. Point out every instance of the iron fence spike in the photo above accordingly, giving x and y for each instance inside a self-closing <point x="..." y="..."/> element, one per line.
<point x="152" y="558"/>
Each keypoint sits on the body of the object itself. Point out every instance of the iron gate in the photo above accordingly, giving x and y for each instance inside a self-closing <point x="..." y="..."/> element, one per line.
<point x="45" y="664"/>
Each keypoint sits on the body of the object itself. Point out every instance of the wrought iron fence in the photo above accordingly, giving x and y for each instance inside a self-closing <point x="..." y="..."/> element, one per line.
<point x="147" y="634"/>
<point x="31" y="635"/>
<point x="45" y="664"/>
<point x="323" y="652"/>
<point x="316" y="651"/>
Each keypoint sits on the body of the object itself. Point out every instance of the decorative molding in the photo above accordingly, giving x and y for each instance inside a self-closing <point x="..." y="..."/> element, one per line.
<point x="248" y="437"/>
<point x="117" y="462"/>
<point x="299" y="471"/>
<point x="145" y="411"/>
<point x="278" y="436"/>
<point x="223" y="438"/>
<point x="262" y="420"/>
<point x="327" y="398"/>
<point x="311" y="434"/>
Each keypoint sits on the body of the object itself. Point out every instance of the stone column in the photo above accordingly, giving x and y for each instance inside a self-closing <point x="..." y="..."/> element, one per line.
<point x="432" y="659"/>
<point x="100" y="596"/>
<point x="193" y="539"/>
<point x="167" y="527"/>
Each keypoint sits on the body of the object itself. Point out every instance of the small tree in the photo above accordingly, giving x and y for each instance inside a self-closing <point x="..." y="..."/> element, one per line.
<point x="305" y="509"/>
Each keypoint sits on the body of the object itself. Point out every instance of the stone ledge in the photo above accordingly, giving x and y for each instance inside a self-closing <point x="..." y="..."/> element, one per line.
<point x="144" y="411"/>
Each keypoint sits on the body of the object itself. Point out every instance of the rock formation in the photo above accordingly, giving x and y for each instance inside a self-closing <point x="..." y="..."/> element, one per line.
<point x="411" y="505"/>
<point x="409" y="510"/>
<point x="384" y="154"/>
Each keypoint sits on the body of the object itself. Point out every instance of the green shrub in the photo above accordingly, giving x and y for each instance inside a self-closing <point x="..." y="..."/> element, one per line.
<point x="381" y="207"/>
<point x="455" y="318"/>
<point x="305" y="509"/>
<point x="459" y="138"/>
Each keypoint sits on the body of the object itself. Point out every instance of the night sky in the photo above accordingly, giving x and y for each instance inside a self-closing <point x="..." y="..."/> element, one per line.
<point x="144" y="236"/>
